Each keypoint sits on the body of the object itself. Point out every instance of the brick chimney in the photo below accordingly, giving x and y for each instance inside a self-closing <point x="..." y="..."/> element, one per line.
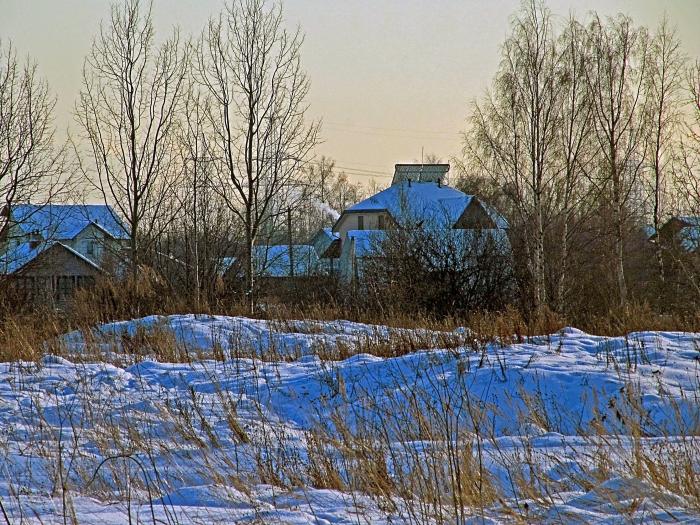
<point x="420" y="173"/>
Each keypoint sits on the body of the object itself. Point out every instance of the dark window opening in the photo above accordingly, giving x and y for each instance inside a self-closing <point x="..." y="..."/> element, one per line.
<point x="360" y="222"/>
<point x="92" y="248"/>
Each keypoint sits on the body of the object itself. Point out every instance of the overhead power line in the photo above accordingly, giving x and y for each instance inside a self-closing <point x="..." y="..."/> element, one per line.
<point x="367" y="173"/>
<point x="385" y="129"/>
<point x="414" y="136"/>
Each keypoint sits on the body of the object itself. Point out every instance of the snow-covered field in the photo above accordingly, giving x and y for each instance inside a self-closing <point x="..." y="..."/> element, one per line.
<point x="562" y="428"/>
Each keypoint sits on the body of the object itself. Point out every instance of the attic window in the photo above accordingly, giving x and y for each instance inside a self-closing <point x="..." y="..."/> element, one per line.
<point x="380" y="222"/>
<point x="360" y="222"/>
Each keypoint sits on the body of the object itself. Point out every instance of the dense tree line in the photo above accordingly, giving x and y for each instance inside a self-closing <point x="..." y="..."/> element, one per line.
<point x="589" y="131"/>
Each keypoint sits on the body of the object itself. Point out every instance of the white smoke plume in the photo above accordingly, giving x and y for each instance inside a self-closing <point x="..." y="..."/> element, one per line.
<point x="322" y="206"/>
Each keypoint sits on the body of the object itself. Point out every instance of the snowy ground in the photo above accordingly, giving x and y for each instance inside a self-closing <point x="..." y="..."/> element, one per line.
<point x="241" y="336"/>
<point x="569" y="427"/>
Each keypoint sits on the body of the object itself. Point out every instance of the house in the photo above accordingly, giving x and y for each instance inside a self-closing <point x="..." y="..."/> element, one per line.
<point x="417" y="198"/>
<point x="274" y="262"/>
<point x="48" y="251"/>
<point x="682" y="231"/>
<point x="326" y="244"/>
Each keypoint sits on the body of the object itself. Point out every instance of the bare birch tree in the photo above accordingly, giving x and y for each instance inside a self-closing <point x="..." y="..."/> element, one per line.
<point x="686" y="169"/>
<point x="664" y="104"/>
<point x="128" y="110"/>
<point x="205" y="219"/>
<point x="514" y="133"/>
<point x="616" y="79"/>
<point x="575" y="149"/>
<point x="250" y="67"/>
<point x="686" y="183"/>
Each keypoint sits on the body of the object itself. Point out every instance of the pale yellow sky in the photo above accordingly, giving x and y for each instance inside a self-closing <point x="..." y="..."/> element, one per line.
<point x="389" y="77"/>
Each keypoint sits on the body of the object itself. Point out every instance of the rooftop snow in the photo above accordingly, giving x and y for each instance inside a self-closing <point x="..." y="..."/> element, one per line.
<point x="690" y="238"/>
<point x="691" y="220"/>
<point x="13" y="260"/>
<point x="64" y="221"/>
<point x="424" y="202"/>
<point x="273" y="261"/>
<point x="417" y="201"/>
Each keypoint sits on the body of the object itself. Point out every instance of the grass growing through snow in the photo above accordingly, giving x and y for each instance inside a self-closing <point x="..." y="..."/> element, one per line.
<point x="428" y="451"/>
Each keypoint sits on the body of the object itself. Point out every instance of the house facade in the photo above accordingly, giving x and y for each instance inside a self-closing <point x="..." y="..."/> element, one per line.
<point x="417" y="198"/>
<point x="47" y="251"/>
<point x="682" y="231"/>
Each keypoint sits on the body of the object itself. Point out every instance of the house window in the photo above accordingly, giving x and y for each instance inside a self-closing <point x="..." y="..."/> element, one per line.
<point x="85" y="281"/>
<point x="92" y="248"/>
<point x="360" y="222"/>
<point x="380" y="222"/>
<point x="64" y="287"/>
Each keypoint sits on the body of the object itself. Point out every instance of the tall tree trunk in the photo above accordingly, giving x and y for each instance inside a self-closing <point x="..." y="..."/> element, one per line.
<point x="619" y="233"/>
<point x="134" y="255"/>
<point x="540" y="295"/>
<point x="563" y="263"/>
<point x="250" y="270"/>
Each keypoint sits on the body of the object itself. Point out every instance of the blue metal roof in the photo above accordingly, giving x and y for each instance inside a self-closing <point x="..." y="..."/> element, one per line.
<point x="58" y="222"/>
<point x="14" y="260"/>
<point x="427" y="202"/>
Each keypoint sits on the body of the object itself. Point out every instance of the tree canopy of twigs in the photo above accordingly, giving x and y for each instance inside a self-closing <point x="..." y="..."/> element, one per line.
<point x="31" y="164"/>
<point x="128" y="110"/>
<point x="578" y="134"/>
<point x="249" y="66"/>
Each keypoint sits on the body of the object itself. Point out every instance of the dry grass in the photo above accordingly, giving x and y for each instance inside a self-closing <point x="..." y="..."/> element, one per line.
<point x="420" y="455"/>
<point x="421" y="459"/>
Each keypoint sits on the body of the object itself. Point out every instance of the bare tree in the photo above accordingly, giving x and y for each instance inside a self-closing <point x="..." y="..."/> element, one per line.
<point x="250" y="67"/>
<point x="574" y="145"/>
<point x="686" y="186"/>
<point x="616" y="79"/>
<point x="128" y="110"/>
<point x="664" y="104"/>
<point x="329" y="192"/>
<point x="686" y="169"/>
<point x="204" y="227"/>
<point x="438" y="270"/>
<point x="31" y="166"/>
<point x="514" y="134"/>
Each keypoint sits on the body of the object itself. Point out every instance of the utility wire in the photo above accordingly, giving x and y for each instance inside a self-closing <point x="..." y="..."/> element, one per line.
<point x="382" y="129"/>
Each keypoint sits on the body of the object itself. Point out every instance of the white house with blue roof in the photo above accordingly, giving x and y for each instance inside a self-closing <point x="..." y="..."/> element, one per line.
<point x="51" y="249"/>
<point x="417" y="198"/>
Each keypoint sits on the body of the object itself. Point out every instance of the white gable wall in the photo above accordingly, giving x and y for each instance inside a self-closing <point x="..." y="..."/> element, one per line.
<point x="350" y="221"/>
